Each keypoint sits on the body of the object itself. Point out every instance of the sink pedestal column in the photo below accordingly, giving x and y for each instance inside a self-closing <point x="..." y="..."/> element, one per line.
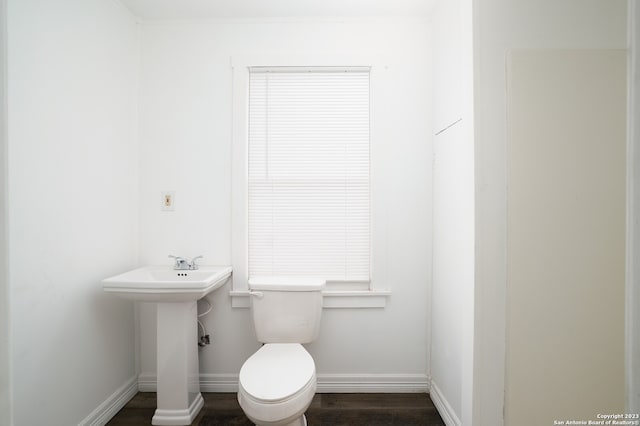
<point x="179" y="398"/>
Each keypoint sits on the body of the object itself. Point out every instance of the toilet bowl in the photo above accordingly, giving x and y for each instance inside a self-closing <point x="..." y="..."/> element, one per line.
<point x="277" y="383"/>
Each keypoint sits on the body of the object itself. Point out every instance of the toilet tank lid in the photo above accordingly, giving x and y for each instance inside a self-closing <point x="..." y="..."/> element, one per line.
<point x="286" y="283"/>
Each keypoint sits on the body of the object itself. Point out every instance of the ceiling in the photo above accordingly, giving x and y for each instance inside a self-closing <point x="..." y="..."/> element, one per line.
<point x="149" y="10"/>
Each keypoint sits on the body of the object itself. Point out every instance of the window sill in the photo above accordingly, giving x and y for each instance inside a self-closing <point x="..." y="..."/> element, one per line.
<point x="332" y="298"/>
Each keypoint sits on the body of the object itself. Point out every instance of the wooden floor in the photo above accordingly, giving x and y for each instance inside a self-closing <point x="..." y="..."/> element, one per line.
<point x="327" y="409"/>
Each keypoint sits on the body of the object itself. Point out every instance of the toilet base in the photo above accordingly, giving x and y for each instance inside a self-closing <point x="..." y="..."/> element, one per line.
<point x="299" y="421"/>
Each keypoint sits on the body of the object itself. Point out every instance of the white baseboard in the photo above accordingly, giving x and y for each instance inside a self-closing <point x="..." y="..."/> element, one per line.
<point x="147" y="382"/>
<point x="327" y="383"/>
<point x="373" y="383"/>
<point x="105" y="411"/>
<point x="219" y="383"/>
<point x="442" y="405"/>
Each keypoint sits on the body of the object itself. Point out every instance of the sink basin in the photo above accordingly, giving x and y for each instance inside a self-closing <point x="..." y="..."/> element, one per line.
<point x="164" y="284"/>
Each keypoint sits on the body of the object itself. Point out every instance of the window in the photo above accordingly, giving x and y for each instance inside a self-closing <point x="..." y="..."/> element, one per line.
<point x="305" y="134"/>
<point x="308" y="200"/>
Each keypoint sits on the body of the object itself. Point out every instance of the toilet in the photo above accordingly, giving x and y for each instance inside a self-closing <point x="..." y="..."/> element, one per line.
<point x="277" y="383"/>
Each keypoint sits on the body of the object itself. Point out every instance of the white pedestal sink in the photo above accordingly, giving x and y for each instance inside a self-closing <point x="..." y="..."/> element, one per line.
<point x="176" y="292"/>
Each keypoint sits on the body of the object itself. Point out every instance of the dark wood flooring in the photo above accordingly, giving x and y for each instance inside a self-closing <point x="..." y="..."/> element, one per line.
<point x="327" y="409"/>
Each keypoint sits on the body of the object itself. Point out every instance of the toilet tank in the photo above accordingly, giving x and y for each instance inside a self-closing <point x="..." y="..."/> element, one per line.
<point x="286" y="309"/>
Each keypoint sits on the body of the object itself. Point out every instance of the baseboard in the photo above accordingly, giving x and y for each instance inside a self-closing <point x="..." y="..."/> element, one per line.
<point x="442" y="405"/>
<point x="219" y="383"/>
<point x="327" y="383"/>
<point x="105" y="411"/>
<point x="373" y="383"/>
<point x="147" y="382"/>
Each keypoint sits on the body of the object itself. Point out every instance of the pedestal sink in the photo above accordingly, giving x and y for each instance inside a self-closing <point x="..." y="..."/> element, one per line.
<point x="176" y="292"/>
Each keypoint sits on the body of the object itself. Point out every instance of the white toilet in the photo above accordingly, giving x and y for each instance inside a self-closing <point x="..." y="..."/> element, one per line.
<point x="277" y="383"/>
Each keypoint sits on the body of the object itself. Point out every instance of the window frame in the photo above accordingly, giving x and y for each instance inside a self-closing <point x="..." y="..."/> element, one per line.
<point x="337" y="294"/>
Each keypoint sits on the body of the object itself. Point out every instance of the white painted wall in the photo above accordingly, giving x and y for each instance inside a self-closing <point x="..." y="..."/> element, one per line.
<point x="453" y="205"/>
<point x="565" y="234"/>
<point x="72" y="204"/>
<point x="500" y="25"/>
<point x="633" y="215"/>
<point x="185" y="136"/>
<point x="5" y="367"/>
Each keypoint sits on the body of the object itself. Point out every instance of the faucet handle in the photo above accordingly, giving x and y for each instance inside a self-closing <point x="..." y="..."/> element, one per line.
<point x="193" y="262"/>
<point x="180" y="262"/>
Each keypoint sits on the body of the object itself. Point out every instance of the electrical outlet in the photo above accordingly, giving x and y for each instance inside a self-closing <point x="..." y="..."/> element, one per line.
<point x="167" y="201"/>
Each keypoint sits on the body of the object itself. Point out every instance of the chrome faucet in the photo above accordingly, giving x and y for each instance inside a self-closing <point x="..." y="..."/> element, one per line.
<point x="182" y="263"/>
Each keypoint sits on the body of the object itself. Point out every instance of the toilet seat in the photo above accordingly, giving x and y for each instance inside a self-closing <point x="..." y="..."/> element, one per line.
<point x="276" y="372"/>
<point x="277" y="383"/>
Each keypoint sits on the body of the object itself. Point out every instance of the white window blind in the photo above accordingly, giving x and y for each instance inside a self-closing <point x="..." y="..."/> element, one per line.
<point x="308" y="174"/>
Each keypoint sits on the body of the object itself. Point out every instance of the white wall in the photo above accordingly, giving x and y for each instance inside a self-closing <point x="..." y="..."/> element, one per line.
<point x="453" y="205"/>
<point x="72" y="204"/>
<point x="5" y="368"/>
<point x="633" y="194"/>
<point x="185" y="136"/>
<point x="500" y="25"/>
<point x="565" y="234"/>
